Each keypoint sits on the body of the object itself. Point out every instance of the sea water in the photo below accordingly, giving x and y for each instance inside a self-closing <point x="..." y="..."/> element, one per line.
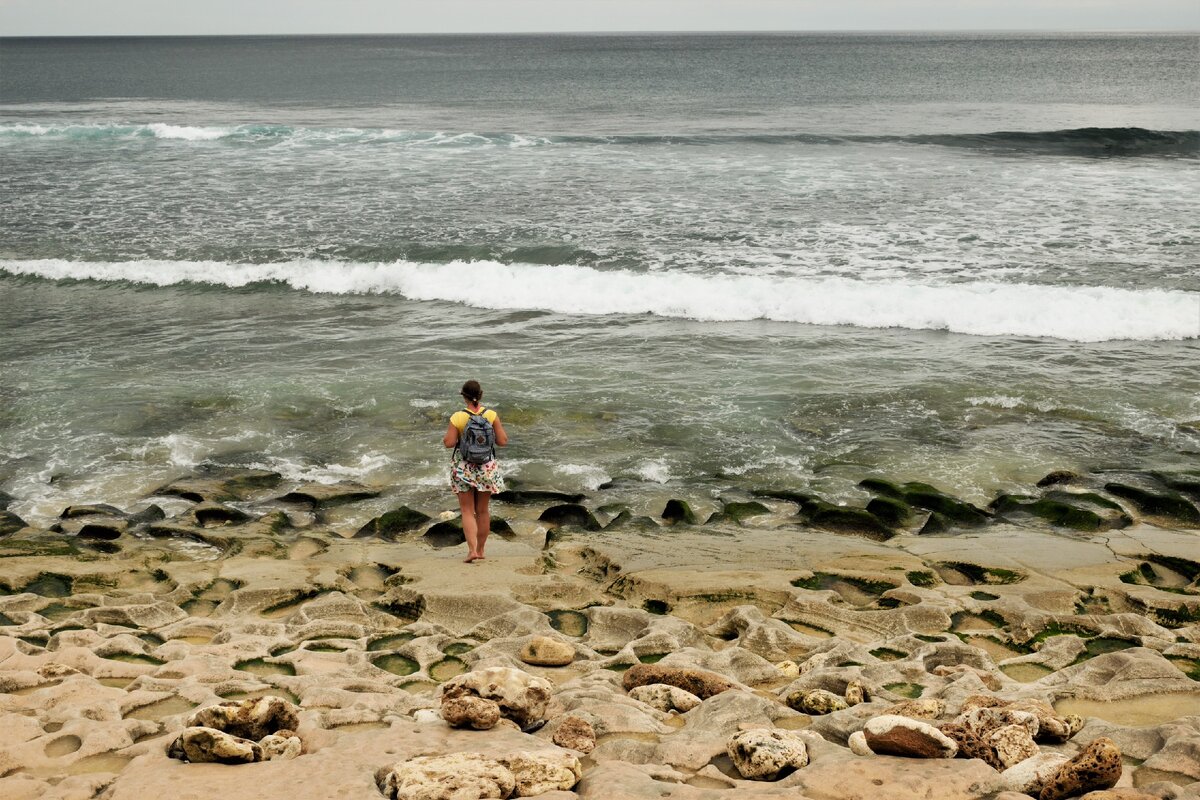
<point x="683" y="263"/>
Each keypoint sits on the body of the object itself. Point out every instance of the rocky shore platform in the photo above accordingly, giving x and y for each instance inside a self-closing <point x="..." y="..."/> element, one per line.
<point x="236" y="636"/>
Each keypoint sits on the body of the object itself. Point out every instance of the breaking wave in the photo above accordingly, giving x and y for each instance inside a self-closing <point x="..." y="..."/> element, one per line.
<point x="1078" y="313"/>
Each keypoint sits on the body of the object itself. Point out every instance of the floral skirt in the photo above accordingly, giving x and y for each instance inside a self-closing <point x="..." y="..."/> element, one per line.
<point x="481" y="477"/>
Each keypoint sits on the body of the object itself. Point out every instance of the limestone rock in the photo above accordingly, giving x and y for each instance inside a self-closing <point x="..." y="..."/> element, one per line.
<point x="281" y="746"/>
<point x="10" y="523"/>
<point x="921" y="708"/>
<point x="901" y="736"/>
<point x="856" y="693"/>
<point x="1051" y="727"/>
<point x="1012" y="745"/>
<point x="328" y="494"/>
<point x="764" y="754"/>
<point x="1121" y="794"/>
<point x="249" y="719"/>
<point x="815" y="701"/>
<point x="858" y="744"/>
<point x="1097" y="766"/>
<point x="393" y="523"/>
<point x="469" y="711"/>
<point x="665" y="698"/>
<point x="546" y="652"/>
<point x="1030" y="775"/>
<point x="460" y="775"/>
<point x="538" y="773"/>
<point x="521" y="697"/>
<point x="205" y="745"/>
<point x="575" y="733"/>
<point x="947" y="671"/>
<point x="699" y="682"/>
<point x="790" y="669"/>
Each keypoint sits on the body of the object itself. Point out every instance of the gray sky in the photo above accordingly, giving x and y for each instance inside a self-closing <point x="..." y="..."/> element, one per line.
<point x="139" y="17"/>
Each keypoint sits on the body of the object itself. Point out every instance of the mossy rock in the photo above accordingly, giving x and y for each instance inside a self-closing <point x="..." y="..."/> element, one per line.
<point x="1059" y="514"/>
<point x="93" y="509"/>
<point x="1057" y="477"/>
<point x="799" y="498"/>
<point x="392" y="523"/>
<point x="738" y="511"/>
<point x="985" y="575"/>
<point x="1157" y="504"/>
<point x="888" y="654"/>
<point x="678" y="511"/>
<point x="935" y="523"/>
<point x="535" y="496"/>
<point x="10" y="523"/>
<point x="570" y="514"/>
<point x="626" y="519"/>
<point x="923" y="578"/>
<point x="910" y="690"/>
<point x="6" y="500"/>
<point x="925" y="496"/>
<point x="891" y="512"/>
<point x="1186" y="482"/>
<point x="984" y="597"/>
<point x="842" y="519"/>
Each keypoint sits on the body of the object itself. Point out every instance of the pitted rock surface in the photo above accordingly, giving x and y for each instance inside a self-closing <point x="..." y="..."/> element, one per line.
<point x="469" y="711"/>
<point x="249" y="719"/>
<point x="575" y="733"/>
<point x="520" y="696"/>
<point x="765" y="754"/>
<point x="449" y="777"/>
<point x="1097" y="766"/>
<point x="209" y="746"/>
<point x="665" y="698"/>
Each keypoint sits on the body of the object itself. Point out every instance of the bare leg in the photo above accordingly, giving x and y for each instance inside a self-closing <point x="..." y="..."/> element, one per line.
<point x="483" y="519"/>
<point x="466" y="503"/>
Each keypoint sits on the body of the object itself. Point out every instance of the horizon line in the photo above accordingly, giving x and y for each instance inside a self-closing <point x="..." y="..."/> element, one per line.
<point x="630" y="32"/>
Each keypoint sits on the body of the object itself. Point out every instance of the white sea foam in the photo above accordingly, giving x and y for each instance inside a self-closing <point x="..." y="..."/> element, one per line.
<point x="655" y="471"/>
<point x="1078" y="313"/>
<point x="189" y="132"/>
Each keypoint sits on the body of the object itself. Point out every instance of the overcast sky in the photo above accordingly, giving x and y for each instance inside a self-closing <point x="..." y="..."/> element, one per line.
<point x="149" y="17"/>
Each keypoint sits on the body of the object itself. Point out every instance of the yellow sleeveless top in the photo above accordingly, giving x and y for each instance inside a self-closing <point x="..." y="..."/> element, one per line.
<point x="459" y="418"/>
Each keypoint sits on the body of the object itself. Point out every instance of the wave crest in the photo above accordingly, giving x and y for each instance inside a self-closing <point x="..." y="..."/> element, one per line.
<point x="1078" y="313"/>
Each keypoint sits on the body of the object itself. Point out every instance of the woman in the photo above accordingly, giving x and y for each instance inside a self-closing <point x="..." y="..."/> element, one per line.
<point x="474" y="483"/>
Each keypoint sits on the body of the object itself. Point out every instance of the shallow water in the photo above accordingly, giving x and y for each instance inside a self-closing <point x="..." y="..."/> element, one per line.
<point x="1136" y="712"/>
<point x="749" y="259"/>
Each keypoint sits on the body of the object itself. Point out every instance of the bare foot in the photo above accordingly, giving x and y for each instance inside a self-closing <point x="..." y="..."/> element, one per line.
<point x="471" y="557"/>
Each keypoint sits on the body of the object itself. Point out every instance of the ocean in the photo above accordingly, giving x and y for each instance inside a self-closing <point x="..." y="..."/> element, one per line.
<point x="679" y="264"/>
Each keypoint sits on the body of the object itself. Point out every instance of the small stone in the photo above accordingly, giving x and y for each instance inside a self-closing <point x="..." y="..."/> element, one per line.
<point x="1029" y="775"/>
<point x="815" y="701"/>
<point x="281" y="746"/>
<point x="575" y="733"/>
<point x="543" y="651"/>
<point x="699" y="682"/>
<point x="665" y="698"/>
<point x="764" y="754"/>
<point x="469" y="711"/>
<point x="426" y="716"/>
<point x="199" y="745"/>
<point x="460" y="775"/>
<point x="921" y="708"/>
<point x="789" y="669"/>
<point x="538" y="773"/>
<point x="856" y="692"/>
<point x="249" y="719"/>
<point x="902" y="736"/>
<point x="1097" y="766"/>
<point x="858" y="744"/>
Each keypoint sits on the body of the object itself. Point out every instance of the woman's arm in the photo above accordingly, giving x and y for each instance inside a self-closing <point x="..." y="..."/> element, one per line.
<point x="451" y="437"/>
<point x="501" y="436"/>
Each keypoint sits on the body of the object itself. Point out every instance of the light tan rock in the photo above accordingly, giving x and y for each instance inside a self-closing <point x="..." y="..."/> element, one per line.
<point x="207" y="745"/>
<point x="665" y="698"/>
<point x="1097" y="766"/>
<point x="765" y="754"/>
<point x="856" y="693"/>
<point x="575" y="733"/>
<point x="815" y="701"/>
<point x="921" y="708"/>
<point x="249" y="719"/>
<point x="954" y="671"/>
<point x="520" y="696"/>
<point x="538" y="773"/>
<point x="464" y="776"/>
<point x="546" y="652"/>
<point x="1029" y="775"/>
<point x="858" y="744"/>
<point x="280" y="746"/>
<point x="1012" y="744"/>
<point x="789" y="669"/>
<point x="903" y="736"/>
<point x="469" y="711"/>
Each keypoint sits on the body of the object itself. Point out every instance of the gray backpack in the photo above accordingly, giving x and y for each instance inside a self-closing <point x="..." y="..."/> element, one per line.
<point x="477" y="444"/>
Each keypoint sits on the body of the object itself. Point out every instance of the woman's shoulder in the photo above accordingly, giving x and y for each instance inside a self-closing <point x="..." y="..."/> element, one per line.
<point x="491" y="415"/>
<point x="459" y="419"/>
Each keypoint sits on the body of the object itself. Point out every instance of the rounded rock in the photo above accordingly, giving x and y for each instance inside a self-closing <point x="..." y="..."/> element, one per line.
<point x="575" y="733"/>
<point x="1097" y="766"/>
<point x="764" y="754"/>
<point x="469" y="711"/>
<point x="817" y="702"/>
<point x="902" y="736"/>
<point x="665" y="698"/>
<point x="440" y="777"/>
<point x="543" y="651"/>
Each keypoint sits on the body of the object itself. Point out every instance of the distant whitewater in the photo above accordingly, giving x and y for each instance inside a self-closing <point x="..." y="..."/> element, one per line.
<point x="1078" y="313"/>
